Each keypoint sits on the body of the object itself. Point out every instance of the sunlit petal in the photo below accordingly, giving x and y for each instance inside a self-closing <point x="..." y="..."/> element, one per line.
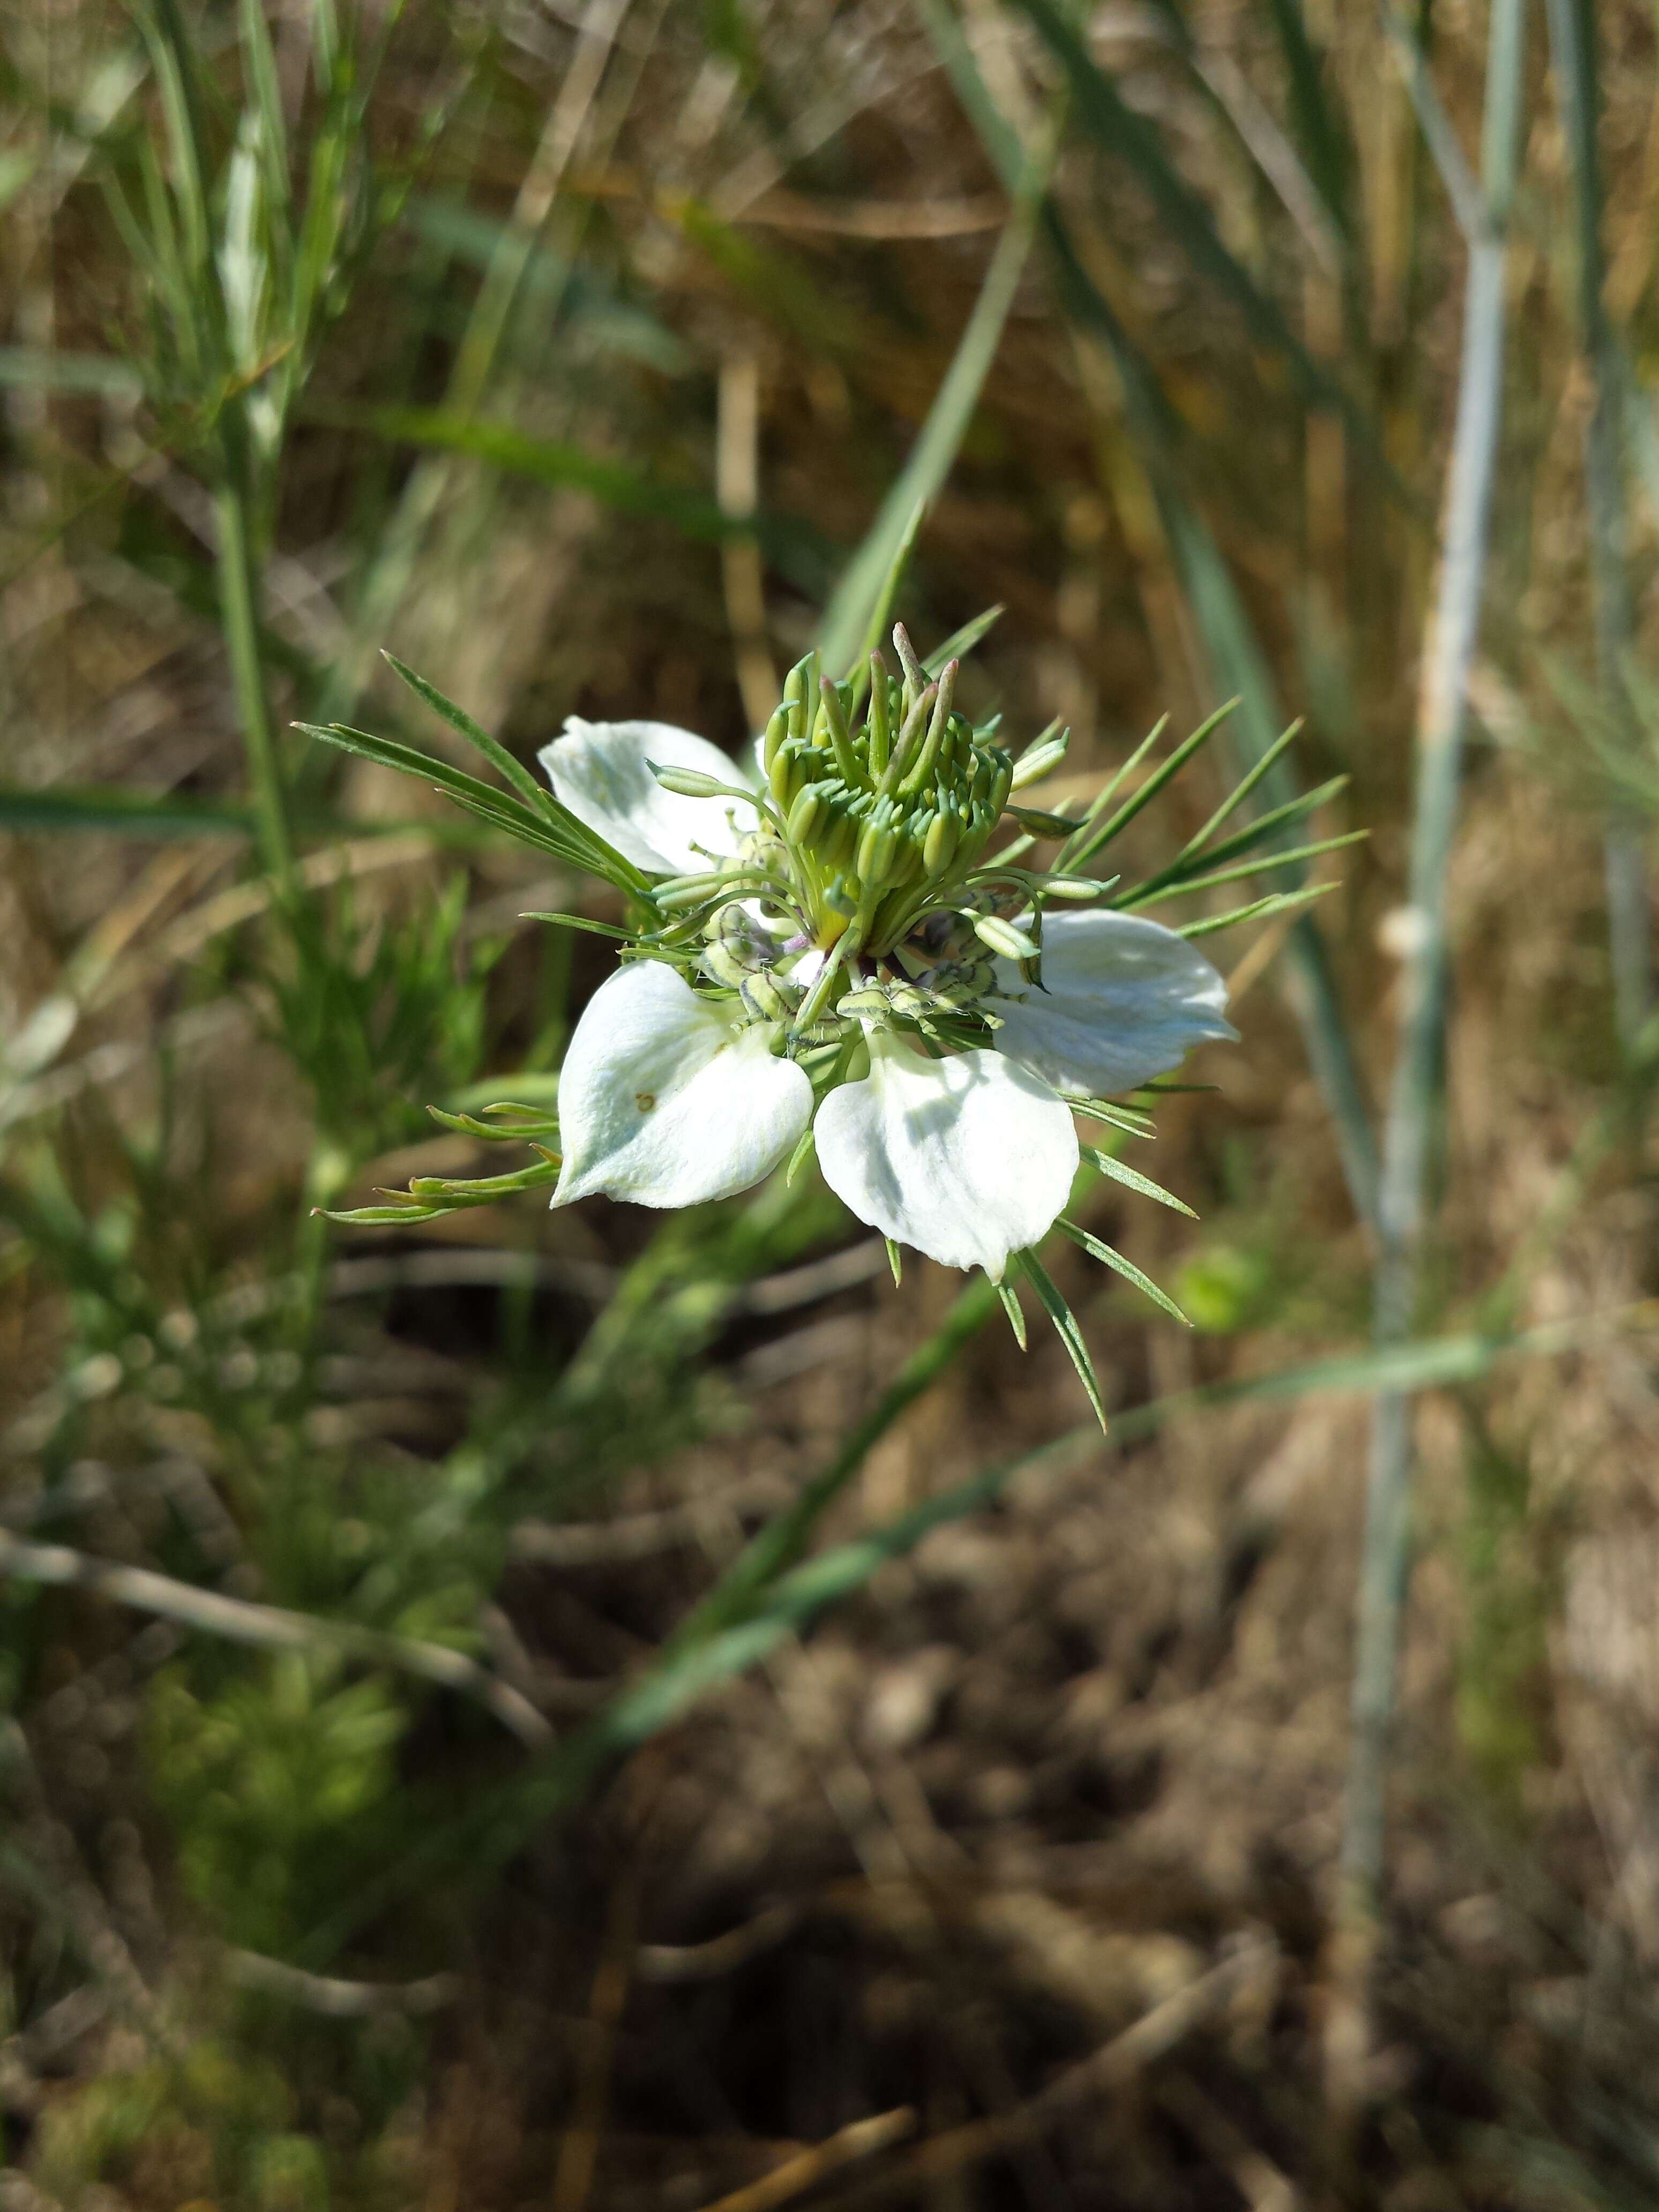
<point x="968" y="1158"/>
<point x="599" y="771"/>
<point x="665" y="1101"/>
<point x="1123" y="1000"/>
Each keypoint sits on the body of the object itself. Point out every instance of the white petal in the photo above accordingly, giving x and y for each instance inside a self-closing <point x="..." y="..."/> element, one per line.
<point x="664" y="1100"/>
<point x="968" y="1158"/>
<point x="1126" y="999"/>
<point x="598" y="770"/>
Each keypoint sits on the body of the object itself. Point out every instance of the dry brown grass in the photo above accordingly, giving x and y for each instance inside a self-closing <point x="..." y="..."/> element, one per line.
<point x="1072" y="1773"/>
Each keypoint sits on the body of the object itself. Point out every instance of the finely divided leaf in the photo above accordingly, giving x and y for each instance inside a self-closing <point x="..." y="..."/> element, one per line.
<point x="1105" y="1254"/>
<point x="1132" y="1179"/>
<point x="1065" y="1329"/>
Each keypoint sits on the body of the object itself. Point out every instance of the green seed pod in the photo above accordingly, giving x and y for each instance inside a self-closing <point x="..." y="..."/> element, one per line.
<point x="687" y="891"/>
<point x="1041" y="756"/>
<point x="906" y="864"/>
<point x="1002" y="937"/>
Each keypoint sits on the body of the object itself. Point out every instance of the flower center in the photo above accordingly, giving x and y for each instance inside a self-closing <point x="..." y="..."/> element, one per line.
<point x="888" y="799"/>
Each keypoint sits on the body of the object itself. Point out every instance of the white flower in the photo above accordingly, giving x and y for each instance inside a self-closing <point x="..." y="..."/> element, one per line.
<point x="964" y="1149"/>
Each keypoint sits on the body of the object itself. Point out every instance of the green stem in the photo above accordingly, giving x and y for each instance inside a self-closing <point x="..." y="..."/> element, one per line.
<point x="238" y="608"/>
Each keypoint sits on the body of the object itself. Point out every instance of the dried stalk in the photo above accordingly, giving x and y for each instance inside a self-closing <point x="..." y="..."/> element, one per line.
<point x="271" y="1627"/>
<point x="1416" y="1094"/>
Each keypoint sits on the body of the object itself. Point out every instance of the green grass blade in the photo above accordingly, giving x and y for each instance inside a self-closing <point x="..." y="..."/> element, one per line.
<point x="847" y="619"/>
<point x="1066" y="860"/>
<point x="1065" y="1329"/>
<point x="1316" y="121"/>
<point x="996" y="133"/>
<point x="778" y="1545"/>
<point x="128" y="814"/>
<point x="1015" y="1311"/>
<point x="1099" y="1249"/>
<point x="104" y="375"/>
<point x="961" y="643"/>
<point x="881" y="614"/>
<point x="1108" y="117"/>
<point x="430" y="1196"/>
<point x="545" y="461"/>
<point x="1132" y="1123"/>
<point x="259" y="65"/>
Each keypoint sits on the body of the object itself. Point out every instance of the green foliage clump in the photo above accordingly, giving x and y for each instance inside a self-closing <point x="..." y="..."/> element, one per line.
<point x="278" y="1787"/>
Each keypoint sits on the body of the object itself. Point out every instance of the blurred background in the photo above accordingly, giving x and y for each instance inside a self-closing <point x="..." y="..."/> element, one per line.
<point x="501" y="1709"/>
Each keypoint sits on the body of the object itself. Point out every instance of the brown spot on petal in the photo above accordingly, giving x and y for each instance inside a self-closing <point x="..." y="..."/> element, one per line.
<point x="645" y="1100"/>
